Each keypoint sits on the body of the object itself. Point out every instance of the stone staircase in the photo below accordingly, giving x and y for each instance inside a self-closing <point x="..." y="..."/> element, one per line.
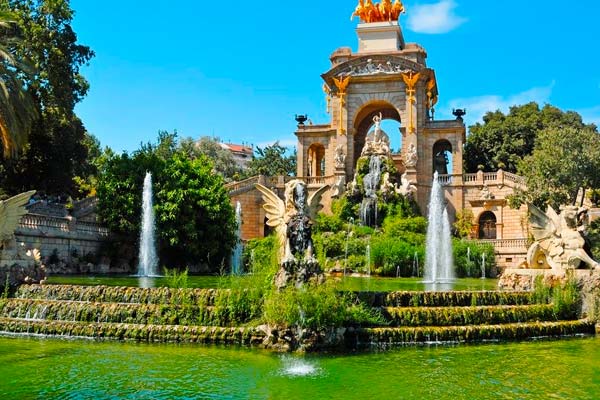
<point x="207" y="316"/>
<point x="461" y="317"/>
<point x="123" y="313"/>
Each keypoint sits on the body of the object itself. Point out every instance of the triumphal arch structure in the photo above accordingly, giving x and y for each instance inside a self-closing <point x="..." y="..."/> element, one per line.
<point x="387" y="78"/>
<point x="390" y="78"/>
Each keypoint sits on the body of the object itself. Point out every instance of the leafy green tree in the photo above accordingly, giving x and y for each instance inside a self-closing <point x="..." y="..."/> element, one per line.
<point x="271" y="161"/>
<point x="503" y="140"/>
<point x="194" y="214"/>
<point x="563" y="162"/>
<point x="17" y="109"/>
<point x="194" y="218"/>
<point x="223" y="162"/>
<point x="56" y="152"/>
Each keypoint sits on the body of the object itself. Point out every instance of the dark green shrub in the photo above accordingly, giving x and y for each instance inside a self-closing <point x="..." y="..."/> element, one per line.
<point x="469" y="266"/>
<point x="260" y="256"/>
<point x="390" y="256"/>
<point x="397" y="226"/>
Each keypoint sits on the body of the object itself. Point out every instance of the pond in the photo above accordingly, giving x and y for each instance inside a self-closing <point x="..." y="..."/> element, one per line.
<point x="348" y="283"/>
<point x="54" y="368"/>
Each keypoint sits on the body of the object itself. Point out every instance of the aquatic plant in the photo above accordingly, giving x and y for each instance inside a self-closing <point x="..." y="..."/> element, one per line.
<point x="176" y="278"/>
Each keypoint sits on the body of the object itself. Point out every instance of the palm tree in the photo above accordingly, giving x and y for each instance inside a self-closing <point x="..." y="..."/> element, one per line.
<point x="17" y="108"/>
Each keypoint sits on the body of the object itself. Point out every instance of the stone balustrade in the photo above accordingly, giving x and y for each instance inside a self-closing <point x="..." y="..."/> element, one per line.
<point x="63" y="237"/>
<point x="277" y="182"/>
<point x="508" y="243"/>
<point x="483" y="178"/>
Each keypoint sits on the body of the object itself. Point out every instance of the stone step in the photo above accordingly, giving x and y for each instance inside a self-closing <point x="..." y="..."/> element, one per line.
<point x="248" y="336"/>
<point x="400" y="336"/>
<point x="455" y="316"/>
<point x="444" y="299"/>
<point x="121" y="294"/>
<point x="131" y="313"/>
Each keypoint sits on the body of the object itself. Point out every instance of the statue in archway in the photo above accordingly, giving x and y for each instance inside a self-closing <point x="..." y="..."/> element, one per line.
<point x="559" y="243"/>
<point x="377" y="141"/>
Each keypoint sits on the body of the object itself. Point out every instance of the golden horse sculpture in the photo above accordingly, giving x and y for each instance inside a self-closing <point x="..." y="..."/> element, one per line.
<point x="384" y="11"/>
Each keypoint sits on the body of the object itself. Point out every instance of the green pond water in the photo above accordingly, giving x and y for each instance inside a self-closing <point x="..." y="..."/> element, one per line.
<point x="347" y="283"/>
<point x="35" y="368"/>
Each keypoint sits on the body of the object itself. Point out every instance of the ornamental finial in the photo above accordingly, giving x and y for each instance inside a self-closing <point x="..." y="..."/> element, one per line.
<point x="383" y="11"/>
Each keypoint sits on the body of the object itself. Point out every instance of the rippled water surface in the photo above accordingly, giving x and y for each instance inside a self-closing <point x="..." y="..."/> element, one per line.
<point x="51" y="368"/>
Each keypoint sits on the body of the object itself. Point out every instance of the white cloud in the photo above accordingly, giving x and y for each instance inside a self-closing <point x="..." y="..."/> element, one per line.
<point x="434" y="18"/>
<point x="478" y="106"/>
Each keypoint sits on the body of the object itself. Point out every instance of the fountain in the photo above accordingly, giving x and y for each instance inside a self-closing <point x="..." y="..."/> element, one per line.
<point x="368" y="257"/>
<point x="416" y="264"/>
<point x="368" y="207"/>
<point x="148" y="264"/>
<point x="236" y="255"/>
<point x="350" y="223"/>
<point x="439" y="262"/>
<point x="483" y="265"/>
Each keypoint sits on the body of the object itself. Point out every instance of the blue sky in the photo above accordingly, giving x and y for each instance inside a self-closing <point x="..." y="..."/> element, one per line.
<point x="241" y="73"/>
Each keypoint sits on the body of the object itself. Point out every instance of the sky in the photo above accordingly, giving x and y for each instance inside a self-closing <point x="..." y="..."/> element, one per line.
<point x="240" y="71"/>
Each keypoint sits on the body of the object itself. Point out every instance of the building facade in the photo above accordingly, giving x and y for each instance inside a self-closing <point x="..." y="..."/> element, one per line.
<point x="390" y="79"/>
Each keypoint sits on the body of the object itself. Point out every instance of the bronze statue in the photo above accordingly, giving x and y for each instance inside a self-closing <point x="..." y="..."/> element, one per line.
<point x="397" y="9"/>
<point x="384" y="11"/>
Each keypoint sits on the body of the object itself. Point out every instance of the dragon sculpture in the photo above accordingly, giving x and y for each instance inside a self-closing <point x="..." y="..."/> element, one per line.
<point x="292" y="220"/>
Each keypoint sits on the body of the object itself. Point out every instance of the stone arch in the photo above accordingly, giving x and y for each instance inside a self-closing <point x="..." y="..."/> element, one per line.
<point x="363" y="121"/>
<point x="316" y="160"/>
<point x="441" y="154"/>
<point x="487" y="225"/>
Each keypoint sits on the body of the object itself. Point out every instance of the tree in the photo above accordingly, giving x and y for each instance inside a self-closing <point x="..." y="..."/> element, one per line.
<point x="194" y="215"/>
<point x="17" y="109"/>
<point x="503" y="140"/>
<point x="56" y="152"/>
<point x="464" y="224"/>
<point x="272" y="161"/>
<point x="222" y="159"/>
<point x="194" y="218"/>
<point x="563" y="162"/>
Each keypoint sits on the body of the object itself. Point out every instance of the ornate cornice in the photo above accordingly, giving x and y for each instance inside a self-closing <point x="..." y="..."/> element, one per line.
<point x="373" y="65"/>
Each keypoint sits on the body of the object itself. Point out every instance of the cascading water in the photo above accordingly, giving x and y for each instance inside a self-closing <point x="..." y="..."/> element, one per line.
<point x="368" y="207"/>
<point x="439" y="263"/>
<point x="236" y="255"/>
<point x="148" y="264"/>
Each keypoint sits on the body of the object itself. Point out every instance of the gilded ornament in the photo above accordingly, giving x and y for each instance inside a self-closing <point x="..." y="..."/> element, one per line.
<point x="384" y="11"/>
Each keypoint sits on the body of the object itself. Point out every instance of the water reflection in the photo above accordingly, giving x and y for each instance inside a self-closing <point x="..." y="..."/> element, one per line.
<point x="146" y="282"/>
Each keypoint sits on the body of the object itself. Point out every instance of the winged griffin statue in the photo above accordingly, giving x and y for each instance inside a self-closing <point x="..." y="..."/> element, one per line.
<point x="292" y="220"/>
<point x="559" y="242"/>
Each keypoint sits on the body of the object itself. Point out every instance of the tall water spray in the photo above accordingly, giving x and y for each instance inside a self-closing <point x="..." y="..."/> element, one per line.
<point x="236" y="255"/>
<point x="439" y="263"/>
<point x="148" y="264"/>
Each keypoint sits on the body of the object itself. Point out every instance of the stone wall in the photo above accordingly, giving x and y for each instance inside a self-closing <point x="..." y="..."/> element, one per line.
<point x="65" y="237"/>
